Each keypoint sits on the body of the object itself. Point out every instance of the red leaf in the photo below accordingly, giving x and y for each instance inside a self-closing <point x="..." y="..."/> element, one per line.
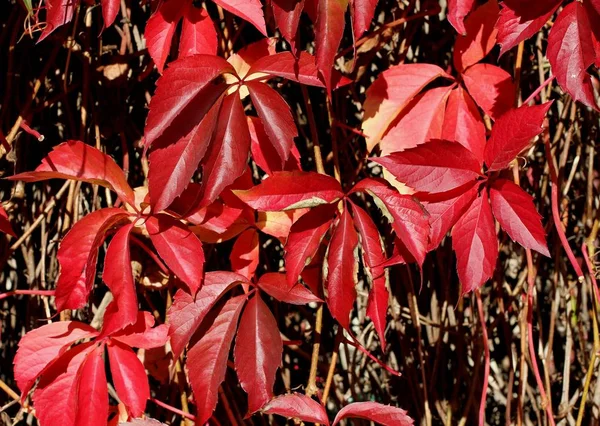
<point x="287" y="15"/>
<point x="92" y="393"/>
<point x="571" y="52"/>
<point x="77" y="256"/>
<point x="512" y="133"/>
<point x="174" y="163"/>
<point x="292" y="190"/>
<point x="110" y="9"/>
<point x="249" y="10"/>
<point x="463" y="123"/>
<point x="177" y="105"/>
<point x="513" y="208"/>
<point x="491" y="87"/>
<point x="141" y="334"/>
<point x="207" y="359"/>
<point x="257" y="353"/>
<point x="301" y="69"/>
<point x="160" y="29"/>
<point x="420" y="122"/>
<point x="407" y="217"/>
<point x="276" y="117"/>
<point x="40" y="347"/>
<point x="362" y="15"/>
<point x="298" y="406"/>
<point x="475" y="243"/>
<point x="78" y="161"/>
<point x="434" y="167"/>
<point x="179" y="248"/>
<point x="129" y="377"/>
<point x="186" y="313"/>
<point x="379" y="413"/>
<point x="520" y="20"/>
<point x="222" y="223"/>
<point x="276" y="286"/>
<point x="457" y="12"/>
<point x="198" y="34"/>
<point x="5" y="225"/>
<point x="304" y="240"/>
<point x="480" y="36"/>
<point x="389" y="95"/>
<point x="263" y="152"/>
<point x="374" y="255"/>
<point x="329" y="29"/>
<point x="342" y="269"/>
<point x="227" y="155"/>
<point x="58" y="13"/>
<point x="118" y="276"/>
<point x="444" y="214"/>
<point x="244" y="253"/>
<point x="56" y="393"/>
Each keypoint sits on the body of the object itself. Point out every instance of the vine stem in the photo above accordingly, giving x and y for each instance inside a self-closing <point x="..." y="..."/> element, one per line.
<point x="486" y="348"/>
<point x="556" y="213"/>
<point x="27" y="293"/>
<point x="539" y="89"/>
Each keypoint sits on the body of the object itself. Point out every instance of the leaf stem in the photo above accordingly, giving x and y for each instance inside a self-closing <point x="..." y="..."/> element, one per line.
<point x="173" y="409"/>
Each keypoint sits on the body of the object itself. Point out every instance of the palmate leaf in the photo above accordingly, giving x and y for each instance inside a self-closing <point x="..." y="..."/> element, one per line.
<point x="196" y="119"/>
<point x="73" y="386"/>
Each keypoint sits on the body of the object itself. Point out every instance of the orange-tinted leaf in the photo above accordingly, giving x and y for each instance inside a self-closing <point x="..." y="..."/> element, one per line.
<point x="390" y="93"/>
<point x="420" y="122"/>
<point x="244" y="254"/>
